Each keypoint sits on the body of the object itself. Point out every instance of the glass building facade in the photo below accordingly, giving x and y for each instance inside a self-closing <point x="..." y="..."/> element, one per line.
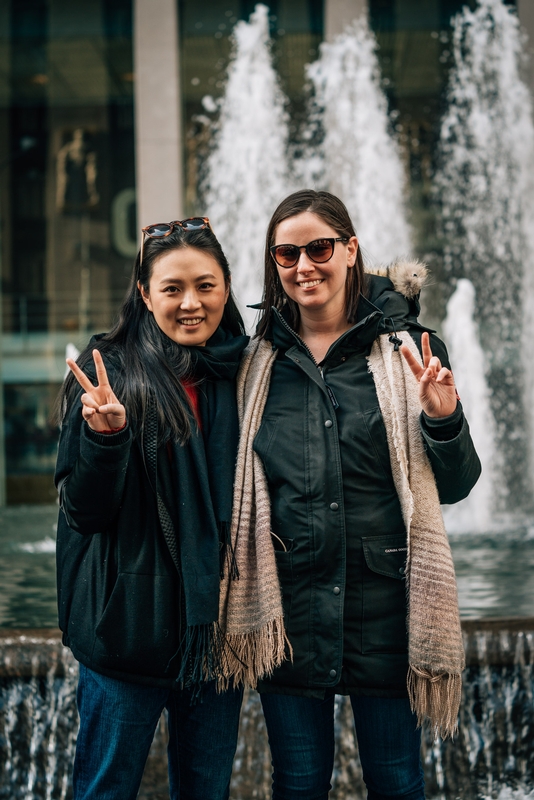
<point x="68" y="168"/>
<point x="67" y="207"/>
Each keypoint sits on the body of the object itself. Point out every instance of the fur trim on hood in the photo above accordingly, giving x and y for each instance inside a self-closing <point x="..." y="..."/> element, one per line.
<point x="407" y="276"/>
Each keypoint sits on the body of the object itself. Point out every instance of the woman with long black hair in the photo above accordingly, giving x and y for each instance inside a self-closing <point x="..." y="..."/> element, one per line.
<point x="145" y="473"/>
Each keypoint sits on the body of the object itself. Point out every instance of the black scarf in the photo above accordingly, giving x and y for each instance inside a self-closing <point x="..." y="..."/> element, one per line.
<point x="195" y="501"/>
<point x="216" y="366"/>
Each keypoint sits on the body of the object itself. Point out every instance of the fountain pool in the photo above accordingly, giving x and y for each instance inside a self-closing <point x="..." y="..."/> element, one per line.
<point x="495" y="568"/>
<point x="27" y="566"/>
<point x="491" y="758"/>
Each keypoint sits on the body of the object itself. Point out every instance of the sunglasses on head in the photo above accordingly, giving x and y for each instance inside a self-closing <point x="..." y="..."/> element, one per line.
<point x="319" y="251"/>
<point x="162" y="229"/>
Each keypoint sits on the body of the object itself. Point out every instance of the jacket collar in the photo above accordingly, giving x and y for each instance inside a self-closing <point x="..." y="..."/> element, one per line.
<point x="381" y="310"/>
<point x="359" y="337"/>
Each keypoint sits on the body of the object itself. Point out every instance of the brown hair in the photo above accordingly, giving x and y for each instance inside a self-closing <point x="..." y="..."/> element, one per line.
<point x="331" y="210"/>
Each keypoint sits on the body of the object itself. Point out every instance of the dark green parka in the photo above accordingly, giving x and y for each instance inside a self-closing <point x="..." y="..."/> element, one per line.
<point x="339" y="533"/>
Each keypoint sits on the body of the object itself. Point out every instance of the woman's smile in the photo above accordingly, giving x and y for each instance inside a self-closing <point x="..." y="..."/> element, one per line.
<point x="187" y="321"/>
<point x="310" y="284"/>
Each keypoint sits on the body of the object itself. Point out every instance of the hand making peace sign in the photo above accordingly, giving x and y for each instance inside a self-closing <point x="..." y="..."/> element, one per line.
<point x="100" y="408"/>
<point x="437" y="391"/>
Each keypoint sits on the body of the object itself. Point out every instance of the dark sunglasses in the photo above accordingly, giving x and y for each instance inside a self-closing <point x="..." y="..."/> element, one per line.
<point x="162" y="229"/>
<point x="319" y="251"/>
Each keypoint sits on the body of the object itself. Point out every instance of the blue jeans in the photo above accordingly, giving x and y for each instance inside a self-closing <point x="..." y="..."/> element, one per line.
<point x="301" y="737"/>
<point x="117" y="724"/>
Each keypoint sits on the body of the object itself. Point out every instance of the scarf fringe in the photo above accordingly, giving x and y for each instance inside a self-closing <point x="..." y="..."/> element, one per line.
<point x="436" y="698"/>
<point x="202" y="653"/>
<point x="251" y="656"/>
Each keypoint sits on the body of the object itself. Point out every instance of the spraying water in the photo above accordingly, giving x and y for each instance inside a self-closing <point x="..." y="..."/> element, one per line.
<point x="484" y="184"/>
<point x="491" y="758"/>
<point x="247" y="169"/>
<point x="350" y="151"/>
<point x="474" y="514"/>
<point x="38" y="719"/>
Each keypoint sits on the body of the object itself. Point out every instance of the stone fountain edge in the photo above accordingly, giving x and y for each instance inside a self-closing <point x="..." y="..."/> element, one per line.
<point x="33" y="652"/>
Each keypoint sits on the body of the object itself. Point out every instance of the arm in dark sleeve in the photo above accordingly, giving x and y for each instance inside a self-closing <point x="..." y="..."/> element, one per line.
<point x="90" y="473"/>
<point x="448" y="443"/>
<point x="452" y="454"/>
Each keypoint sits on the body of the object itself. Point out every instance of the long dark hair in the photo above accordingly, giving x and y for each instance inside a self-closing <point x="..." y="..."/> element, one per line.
<point x="332" y="211"/>
<point x="149" y="366"/>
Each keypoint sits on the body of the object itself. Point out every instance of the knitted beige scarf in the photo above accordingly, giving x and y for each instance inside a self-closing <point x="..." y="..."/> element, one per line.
<point x="435" y="650"/>
<point x="250" y="608"/>
<point x="251" y="615"/>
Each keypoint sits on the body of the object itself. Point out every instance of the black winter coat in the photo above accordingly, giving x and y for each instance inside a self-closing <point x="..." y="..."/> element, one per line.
<point x="323" y="444"/>
<point x="120" y="594"/>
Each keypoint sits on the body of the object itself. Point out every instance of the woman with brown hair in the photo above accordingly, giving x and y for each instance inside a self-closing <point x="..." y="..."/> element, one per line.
<point x="352" y="423"/>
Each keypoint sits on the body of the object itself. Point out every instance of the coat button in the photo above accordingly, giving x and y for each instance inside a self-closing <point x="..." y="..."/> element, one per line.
<point x="328" y="423"/>
<point x="333" y="673"/>
<point x="334" y="506"/>
<point x="402" y="570"/>
<point x="336" y="590"/>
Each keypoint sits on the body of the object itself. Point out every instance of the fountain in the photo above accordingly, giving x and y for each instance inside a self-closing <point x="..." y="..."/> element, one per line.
<point x="247" y="169"/>
<point x="484" y="187"/>
<point x="492" y="756"/>
<point x="38" y="716"/>
<point x="348" y="148"/>
<point x="474" y="514"/>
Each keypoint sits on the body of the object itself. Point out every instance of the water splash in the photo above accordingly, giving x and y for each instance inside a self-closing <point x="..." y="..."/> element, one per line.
<point x="247" y="169"/>
<point x="484" y="185"/>
<point x="475" y="513"/>
<point x="46" y="545"/>
<point x="38" y="721"/>
<point x="491" y="758"/>
<point x="349" y="149"/>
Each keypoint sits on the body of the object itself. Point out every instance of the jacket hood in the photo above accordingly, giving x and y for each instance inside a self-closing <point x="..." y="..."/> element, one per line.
<point x="407" y="276"/>
<point x="395" y="290"/>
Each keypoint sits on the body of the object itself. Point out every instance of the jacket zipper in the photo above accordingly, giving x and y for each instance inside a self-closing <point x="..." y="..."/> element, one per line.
<point x="329" y="391"/>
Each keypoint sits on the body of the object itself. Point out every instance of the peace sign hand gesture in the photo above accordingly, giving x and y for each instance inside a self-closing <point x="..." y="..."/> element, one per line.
<point x="100" y="408"/>
<point x="437" y="391"/>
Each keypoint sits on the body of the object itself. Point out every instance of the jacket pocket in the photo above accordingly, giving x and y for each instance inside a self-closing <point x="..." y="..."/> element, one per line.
<point x="265" y="436"/>
<point x="281" y="544"/>
<point x="284" y="566"/>
<point x="384" y="594"/>
<point x="138" y="630"/>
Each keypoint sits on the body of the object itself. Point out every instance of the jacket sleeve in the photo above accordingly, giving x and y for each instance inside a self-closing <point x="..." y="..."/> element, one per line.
<point x="452" y="455"/>
<point x="90" y="473"/>
<point x="449" y="445"/>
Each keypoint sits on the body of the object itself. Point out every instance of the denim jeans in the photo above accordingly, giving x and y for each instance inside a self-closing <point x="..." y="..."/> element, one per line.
<point x="301" y="737"/>
<point x="117" y="724"/>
